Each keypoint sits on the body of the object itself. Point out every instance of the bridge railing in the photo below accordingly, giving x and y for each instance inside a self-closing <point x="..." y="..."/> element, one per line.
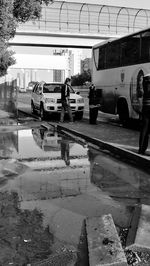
<point x="61" y="16"/>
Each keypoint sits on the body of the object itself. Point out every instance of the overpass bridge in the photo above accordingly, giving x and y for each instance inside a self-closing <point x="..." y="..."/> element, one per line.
<point x="70" y="25"/>
<point x="79" y="25"/>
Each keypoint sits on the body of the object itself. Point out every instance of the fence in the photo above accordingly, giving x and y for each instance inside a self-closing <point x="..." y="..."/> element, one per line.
<point x="8" y="95"/>
<point x="62" y="16"/>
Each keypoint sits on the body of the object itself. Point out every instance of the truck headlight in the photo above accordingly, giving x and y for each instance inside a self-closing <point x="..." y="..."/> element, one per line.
<point x="49" y="100"/>
<point x="80" y="100"/>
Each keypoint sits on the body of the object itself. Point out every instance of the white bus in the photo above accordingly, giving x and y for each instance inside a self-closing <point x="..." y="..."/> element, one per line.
<point x="118" y="68"/>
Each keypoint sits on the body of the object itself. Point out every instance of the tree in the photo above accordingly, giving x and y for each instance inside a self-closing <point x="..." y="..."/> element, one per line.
<point x="6" y="60"/>
<point x="80" y="79"/>
<point x="13" y="12"/>
<point x="24" y="10"/>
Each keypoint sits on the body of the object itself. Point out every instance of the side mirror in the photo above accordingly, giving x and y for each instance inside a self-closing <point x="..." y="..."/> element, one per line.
<point x="78" y="92"/>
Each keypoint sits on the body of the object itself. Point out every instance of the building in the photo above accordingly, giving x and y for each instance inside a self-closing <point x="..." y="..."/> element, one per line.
<point x="48" y="64"/>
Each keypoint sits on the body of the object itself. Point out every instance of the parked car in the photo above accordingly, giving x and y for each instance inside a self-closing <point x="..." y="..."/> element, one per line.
<point x="47" y="140"/>
<point x="46" y="99"/>
<point x="21" y="89"/>
<point x="31" y="85"/>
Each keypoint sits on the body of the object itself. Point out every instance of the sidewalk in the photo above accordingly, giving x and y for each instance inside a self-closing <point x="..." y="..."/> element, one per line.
<point x="115" y="135"/>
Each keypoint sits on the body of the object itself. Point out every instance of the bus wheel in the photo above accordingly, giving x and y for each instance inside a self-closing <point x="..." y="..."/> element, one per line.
<point x="123" y="112"/>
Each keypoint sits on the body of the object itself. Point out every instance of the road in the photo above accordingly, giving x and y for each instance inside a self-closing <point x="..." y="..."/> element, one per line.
<point x="25" y="98"/>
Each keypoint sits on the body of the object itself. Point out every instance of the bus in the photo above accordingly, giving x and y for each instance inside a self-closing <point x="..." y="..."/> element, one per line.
<point x="118" y="67"/>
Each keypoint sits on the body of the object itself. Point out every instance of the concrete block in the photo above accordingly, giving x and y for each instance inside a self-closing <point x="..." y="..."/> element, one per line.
<point x="133" y="226"/>
<point x="103" y="242"/>
<point x="142" y="237"/>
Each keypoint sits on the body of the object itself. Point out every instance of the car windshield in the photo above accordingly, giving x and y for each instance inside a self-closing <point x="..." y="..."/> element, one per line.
<point x="54" y="88"/>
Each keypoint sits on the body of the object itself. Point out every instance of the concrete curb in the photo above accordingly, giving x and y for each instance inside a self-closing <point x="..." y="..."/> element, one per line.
<point x="133" y="226"/>
<point x="142" y="240"/>
<point x="103" y="242"/>
<point x="132" y="158"/>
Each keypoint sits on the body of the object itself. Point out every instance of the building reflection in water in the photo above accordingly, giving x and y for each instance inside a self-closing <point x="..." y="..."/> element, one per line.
<point x="8" y="143"/>
<point x="57" y="166"/>
<point x="116" y="178"/>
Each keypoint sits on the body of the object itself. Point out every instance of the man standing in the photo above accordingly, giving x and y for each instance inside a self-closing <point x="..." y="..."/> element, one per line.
<point x="65" y="96"/>
<point x="93" y="104"/>
<point x="144" y="134"/>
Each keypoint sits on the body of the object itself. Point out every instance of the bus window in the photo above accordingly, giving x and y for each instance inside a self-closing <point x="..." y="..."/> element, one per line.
<point x="96" y="57"/>
<point x="145" y="47"/>
<point x="130" y="50"/>
<point x="101" y="62"/>
<point x="113" y="55"/>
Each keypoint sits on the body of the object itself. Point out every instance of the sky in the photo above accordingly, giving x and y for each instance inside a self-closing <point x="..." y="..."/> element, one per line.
<point x="122" y="3"/>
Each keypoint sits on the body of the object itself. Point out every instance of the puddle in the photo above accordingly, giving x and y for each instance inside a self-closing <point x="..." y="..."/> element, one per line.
<point x="38" y="143"/>
<point x="119" y="180"/>
<point x="49" y="184"/>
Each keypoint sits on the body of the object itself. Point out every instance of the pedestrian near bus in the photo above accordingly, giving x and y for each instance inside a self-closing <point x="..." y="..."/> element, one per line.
<point x="144" y="133"/>
<point x="65" y="97"/>
<point x="93" y="104"/>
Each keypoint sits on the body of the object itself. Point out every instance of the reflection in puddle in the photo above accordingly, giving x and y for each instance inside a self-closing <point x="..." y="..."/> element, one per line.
<point x="8" y="143"/>
<point x="119" y="180"/>
<point x="55" y="168"/>
<point x="53" y="165"/>
<point x="54" y="176"/>
<point x="38" y="143"/>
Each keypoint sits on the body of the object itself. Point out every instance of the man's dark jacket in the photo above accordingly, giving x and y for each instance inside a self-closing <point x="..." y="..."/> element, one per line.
<point x="65" y="92"/>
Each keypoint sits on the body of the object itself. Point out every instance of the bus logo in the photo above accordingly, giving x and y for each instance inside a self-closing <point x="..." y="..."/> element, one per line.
<point x="122" y="76"/>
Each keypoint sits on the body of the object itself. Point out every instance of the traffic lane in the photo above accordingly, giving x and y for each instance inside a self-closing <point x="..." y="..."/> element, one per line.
<point x="24" y="101"/>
